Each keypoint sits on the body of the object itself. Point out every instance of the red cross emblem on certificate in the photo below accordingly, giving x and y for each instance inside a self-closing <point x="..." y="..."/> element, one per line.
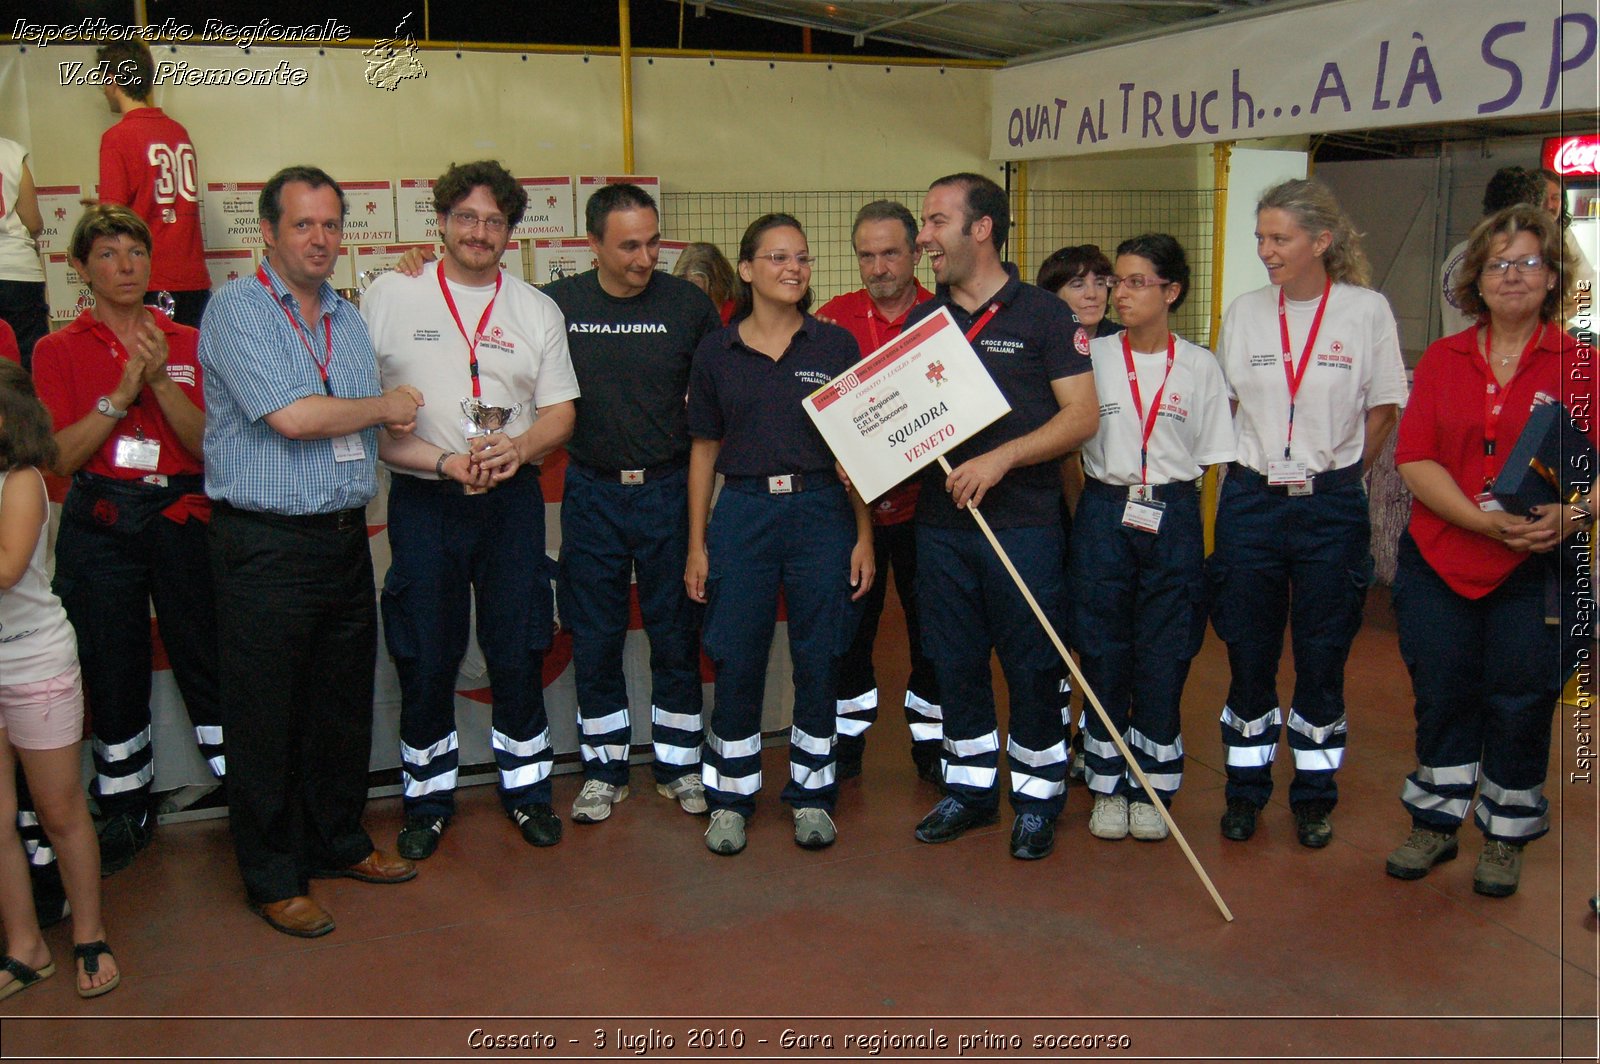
<point x="372" y="208"/>
<point x="935" y="373"/>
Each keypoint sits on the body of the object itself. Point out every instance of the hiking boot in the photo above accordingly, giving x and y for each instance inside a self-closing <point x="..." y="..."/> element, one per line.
<point x="595" y="800"/>
<point x="1311" y="825"/>
<point x="1239" y="822"/>
<point x="1422" y="849"/>
<point x="725" y="836"/>
<point x="1145" y="823"/>
<point x="1109" y="818"/>
<point x="813" y="829"/>
<point x="1499" y="868"/>
<point x="689" y="792"/>
<point x="419" y="837"/>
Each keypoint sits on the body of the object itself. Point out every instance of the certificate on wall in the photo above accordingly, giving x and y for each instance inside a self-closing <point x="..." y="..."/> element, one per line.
<point x="370" y="215"/>
<point x="671" y="251"/>
<point x="588" y="184"/>
<point x="64" y="290"/>
<point x="230" y="214"/>
<point x="60" y="207"/>
<point x="372" y="261"/>
<point x="550" y="208"/>
<point x="910" y="401"/>
<point x="416" y="221"/>
<point x="555" y="259"/>
<point x="229" y="265"/>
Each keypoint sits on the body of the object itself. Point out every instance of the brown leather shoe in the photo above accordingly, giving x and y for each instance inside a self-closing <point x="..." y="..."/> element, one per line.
<point x="298" y="916"/>
<point x="378" y="867"/>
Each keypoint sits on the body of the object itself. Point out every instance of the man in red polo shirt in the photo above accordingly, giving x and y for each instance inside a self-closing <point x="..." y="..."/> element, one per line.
<point x="147" y="162"/>
<point x="885" y="242"/>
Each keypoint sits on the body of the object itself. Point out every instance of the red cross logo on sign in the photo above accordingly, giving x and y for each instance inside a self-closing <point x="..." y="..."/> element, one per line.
<point x="550" y="201"/>
<point x="935" y="373"/>
<point x="372" y="208"/>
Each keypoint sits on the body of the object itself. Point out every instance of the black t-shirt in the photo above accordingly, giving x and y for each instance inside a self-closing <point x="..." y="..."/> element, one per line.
<point x="632" y="359"/>
<point x="1025" y="346"/>
<point x="755" y="406"/>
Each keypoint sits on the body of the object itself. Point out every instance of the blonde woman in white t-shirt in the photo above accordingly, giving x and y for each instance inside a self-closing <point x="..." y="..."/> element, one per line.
<point x="41" y="713"/>
<point x="1313" y="364"/>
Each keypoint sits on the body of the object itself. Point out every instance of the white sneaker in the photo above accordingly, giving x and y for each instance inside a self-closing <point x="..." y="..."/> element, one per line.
<point x="1109" y="818"/>
<point x="689" y="792"/>
<point x="725" y="836"/>
<point x="595" y="800"/>
<point x="1144" y="822"/>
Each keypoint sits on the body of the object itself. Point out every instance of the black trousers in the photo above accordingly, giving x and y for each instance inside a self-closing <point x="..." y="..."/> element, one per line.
<point x="297" y="628"/>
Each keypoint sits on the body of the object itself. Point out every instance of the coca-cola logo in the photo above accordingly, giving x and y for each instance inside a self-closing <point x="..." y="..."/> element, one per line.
<point x="1575" y="155"/>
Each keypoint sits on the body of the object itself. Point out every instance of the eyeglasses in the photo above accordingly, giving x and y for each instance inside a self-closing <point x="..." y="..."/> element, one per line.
<point x="1137" y="281"/>
<point x="1079" y="284"/>
<point x="1498" y="267"/>
<point x="780" y="259"/>
<point x="469" y="221"/>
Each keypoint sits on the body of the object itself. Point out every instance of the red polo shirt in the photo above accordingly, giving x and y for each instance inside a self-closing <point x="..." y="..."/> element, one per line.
<point x="75" y="366"/>
<point x="1444" y="422"/>
<point x="8" y="344"/>
<point x="147" y="163"/>
<point x="857" y="314"/>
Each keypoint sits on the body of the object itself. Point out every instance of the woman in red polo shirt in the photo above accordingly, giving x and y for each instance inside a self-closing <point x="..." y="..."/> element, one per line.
<point x="123" y="388"/>
<point x="1473" y="581"/>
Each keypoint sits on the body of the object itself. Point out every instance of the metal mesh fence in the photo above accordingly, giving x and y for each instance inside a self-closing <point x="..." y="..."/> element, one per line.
<point x="1050" y="220"/>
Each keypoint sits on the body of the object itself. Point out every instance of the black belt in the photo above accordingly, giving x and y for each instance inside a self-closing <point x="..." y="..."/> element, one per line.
<point x="784" y="483"/>
<point x="633" y="477"/>
<point x="1331" y="480"/>
<point x="338" y="520"/>
<point x="1161" y="492"/>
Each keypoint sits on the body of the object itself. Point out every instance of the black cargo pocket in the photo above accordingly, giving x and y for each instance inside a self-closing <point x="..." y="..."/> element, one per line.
<point x="399" y="631"/>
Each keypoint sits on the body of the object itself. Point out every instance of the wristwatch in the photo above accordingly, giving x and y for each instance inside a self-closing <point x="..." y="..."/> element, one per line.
<point x="438" y="467"/>
<point x="108" y="408"/>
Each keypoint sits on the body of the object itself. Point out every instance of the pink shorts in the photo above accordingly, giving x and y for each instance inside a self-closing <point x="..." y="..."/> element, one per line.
<point x="46" y="715"/>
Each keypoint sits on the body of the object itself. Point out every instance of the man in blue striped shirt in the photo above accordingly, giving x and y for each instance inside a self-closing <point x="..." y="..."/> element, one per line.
<point x="292" y="412"/>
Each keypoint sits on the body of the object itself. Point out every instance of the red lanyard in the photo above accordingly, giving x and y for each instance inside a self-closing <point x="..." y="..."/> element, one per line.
<point x="322" y="364"/>
<point x="1295" y="374"/>
<point x="1494" y="399"/>
<point x="472" y="341"/>
<point x="977" y="326"/>
<point x="119" y="355"/>
<point x="1148" y="422"/>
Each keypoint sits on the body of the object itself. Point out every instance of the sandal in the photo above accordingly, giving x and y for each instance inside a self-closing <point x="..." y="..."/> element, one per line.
<point x="22" y="977"/>
<point x="89" y="954"/>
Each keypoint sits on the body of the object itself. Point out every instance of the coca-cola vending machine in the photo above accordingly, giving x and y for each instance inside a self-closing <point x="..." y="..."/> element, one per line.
<point x="1577" y="160"/>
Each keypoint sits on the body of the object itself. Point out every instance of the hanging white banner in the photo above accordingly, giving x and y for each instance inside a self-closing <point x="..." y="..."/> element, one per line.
<point x="1350" y="65"/>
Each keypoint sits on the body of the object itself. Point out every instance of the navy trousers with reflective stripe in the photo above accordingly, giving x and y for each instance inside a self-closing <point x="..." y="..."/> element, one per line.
<point x="1138" y="616"/>
<point x="1487" y="673"/>
<point x="759" y="545"/>
<point x="894" y="547"/>
<point x="970" y="606"/>
<point x="1306" y="561"/>
<point x="107" y="582"/>
<point x="611" y="532"/>
<point x="449" y="548"/>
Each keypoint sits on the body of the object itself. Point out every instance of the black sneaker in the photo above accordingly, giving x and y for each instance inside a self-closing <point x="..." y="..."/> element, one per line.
<point x="420" y="836"/>
<point x="925" y="756"/>
<point x="121" y="838"/>
<point x="1032" y="837"/>
<point x="538" y="822"/>
<point x="1311" y="823"/>
<point x="847" y="756"/>
<point x="1239" y="822"/>
<point x="952" y="818"/>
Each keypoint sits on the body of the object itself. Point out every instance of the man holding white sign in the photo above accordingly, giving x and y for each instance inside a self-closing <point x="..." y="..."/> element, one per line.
<point x="969" y="604"/>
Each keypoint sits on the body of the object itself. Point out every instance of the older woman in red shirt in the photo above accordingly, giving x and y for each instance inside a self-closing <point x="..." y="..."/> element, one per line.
<point x="1472" y="586"/>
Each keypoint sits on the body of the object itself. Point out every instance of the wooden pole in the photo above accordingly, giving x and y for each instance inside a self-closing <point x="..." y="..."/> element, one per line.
<point x="1088" y="693"/>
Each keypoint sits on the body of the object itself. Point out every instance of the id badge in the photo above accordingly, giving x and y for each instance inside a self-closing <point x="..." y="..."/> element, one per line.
<point x="1286" y="472"/>
<point x="1488" y="503"/>
<point x="1143" y="514"/>
<point x="349" y="448"/>
<point x="135" y="453"/>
